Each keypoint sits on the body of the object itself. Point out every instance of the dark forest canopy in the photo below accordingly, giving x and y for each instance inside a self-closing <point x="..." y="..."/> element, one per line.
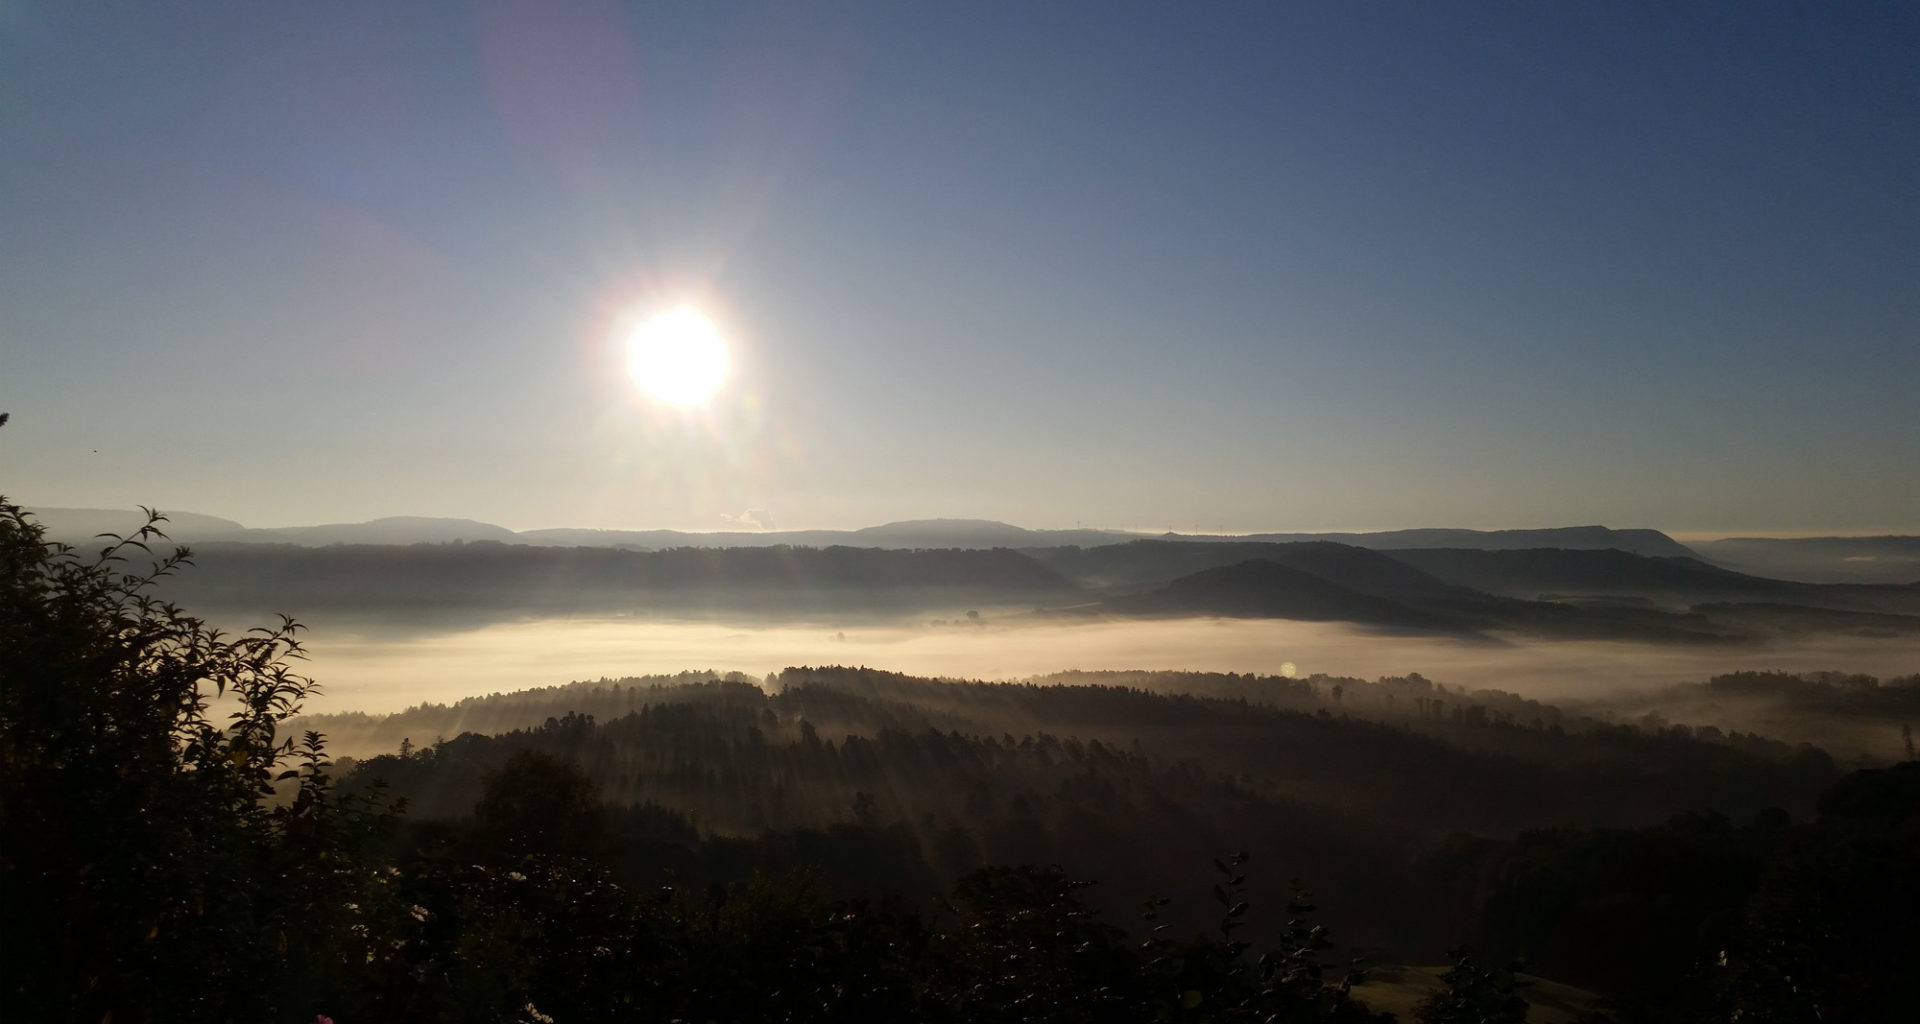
<point x="1857" y="718"/>
<point x="1112" y="781"/>
<point x="1455" y="824"/>
<point x="1437" y="741"/>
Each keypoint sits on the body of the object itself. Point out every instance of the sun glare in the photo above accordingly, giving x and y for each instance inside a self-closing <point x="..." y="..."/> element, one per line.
<point x="678" y="357"/>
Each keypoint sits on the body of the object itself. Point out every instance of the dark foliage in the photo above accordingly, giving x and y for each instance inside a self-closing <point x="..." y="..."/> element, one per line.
<point x="145" y="873"/>
<point x="1701" y="919"/>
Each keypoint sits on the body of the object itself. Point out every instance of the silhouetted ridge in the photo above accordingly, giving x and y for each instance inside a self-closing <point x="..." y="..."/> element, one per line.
<point x="390" y="530"/>
<point x="1268" y="589"/>
<point x="1738" y="602"/>
<point x="946" y="533"/>
<point x="1526" y="572"/>
<point x="486" y="575"/>
<point x="81" y="525"/>
<point x="1159" y="561"/>
<point x="908" y="534"/>
<point x="1642" y="542"/>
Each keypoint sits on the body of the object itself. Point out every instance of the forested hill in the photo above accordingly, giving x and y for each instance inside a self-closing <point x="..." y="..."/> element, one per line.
<point x="1463" y="575"/>
<point x="1544" y="592"/>
<point x="1600" y="593"/>
<point x="449" y="578"/>
<point x="1669" y="581"/>
<point x="1148" y="562"/>
<point x="1266" y="589"/>
<point x="1115" y="782"/>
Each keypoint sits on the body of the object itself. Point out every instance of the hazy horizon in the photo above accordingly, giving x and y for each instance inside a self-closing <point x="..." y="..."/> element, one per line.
<point x="292" y="519"/>
<point x="1683" y="536"/>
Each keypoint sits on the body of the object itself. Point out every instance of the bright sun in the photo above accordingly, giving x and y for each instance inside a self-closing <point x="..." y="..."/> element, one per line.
<point x="678" y="357"/>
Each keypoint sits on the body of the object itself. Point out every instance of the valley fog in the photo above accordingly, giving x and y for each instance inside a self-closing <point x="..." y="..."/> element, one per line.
<point x="386" y="672"/>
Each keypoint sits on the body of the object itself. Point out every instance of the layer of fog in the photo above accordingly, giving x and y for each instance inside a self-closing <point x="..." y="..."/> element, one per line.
<point x="386" y="673"/>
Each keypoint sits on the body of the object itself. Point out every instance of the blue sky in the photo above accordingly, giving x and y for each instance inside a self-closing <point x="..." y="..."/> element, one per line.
<point x="1236" y="267"/>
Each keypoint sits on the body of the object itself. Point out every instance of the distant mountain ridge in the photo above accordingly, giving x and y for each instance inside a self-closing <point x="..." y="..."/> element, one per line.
<point x="1324" y="581"/>
<point x="483" y="582"/>
<point x="1638" y="542"/>
<point x="1272" y="590"/>
<point x="1553" y="592"/>
<point x="1673" y="581"/>
<point x="913" y="533"/>
<point x="391" y="530"/>
<point x="81" y="524"/>
<point x="1860" y="560"/>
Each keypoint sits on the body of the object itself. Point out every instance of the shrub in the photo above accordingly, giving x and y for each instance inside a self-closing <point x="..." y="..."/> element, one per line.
<point x="147" y="870"/>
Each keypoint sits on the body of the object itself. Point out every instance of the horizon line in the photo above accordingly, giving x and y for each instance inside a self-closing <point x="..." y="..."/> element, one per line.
<point x="1680" y="536"/>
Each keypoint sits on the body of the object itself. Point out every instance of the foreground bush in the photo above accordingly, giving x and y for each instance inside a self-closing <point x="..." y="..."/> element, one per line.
<point x="145" y="874"/>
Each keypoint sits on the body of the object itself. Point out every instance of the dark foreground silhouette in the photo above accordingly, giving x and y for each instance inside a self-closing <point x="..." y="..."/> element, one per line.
<point x="169" y="855"/>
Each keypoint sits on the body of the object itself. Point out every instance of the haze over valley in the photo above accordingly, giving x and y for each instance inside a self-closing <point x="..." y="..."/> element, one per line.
<point x="1618" y="621"/>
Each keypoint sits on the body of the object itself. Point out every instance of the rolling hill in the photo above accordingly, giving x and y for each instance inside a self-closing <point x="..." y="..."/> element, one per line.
<point x="1639" y="542"/>
<point x="1268" y="589"/>
<point x="1667" y="582"/>
<point x="520" y="580"/>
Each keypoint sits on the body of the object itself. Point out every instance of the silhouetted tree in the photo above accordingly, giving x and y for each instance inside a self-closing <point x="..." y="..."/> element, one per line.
<point x="144" y="871"/>
<point x="539" y="804"/>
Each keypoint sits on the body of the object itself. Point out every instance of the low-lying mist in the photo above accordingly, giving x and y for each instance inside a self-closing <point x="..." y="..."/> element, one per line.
<point x="380" y="672"/>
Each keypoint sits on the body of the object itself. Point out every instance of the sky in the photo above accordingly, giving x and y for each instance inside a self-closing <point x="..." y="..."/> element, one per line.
<point x="1225" y="267"/>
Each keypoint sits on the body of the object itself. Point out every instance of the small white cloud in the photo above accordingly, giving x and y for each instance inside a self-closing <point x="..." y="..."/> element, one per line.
<point x="753" y="518"/>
